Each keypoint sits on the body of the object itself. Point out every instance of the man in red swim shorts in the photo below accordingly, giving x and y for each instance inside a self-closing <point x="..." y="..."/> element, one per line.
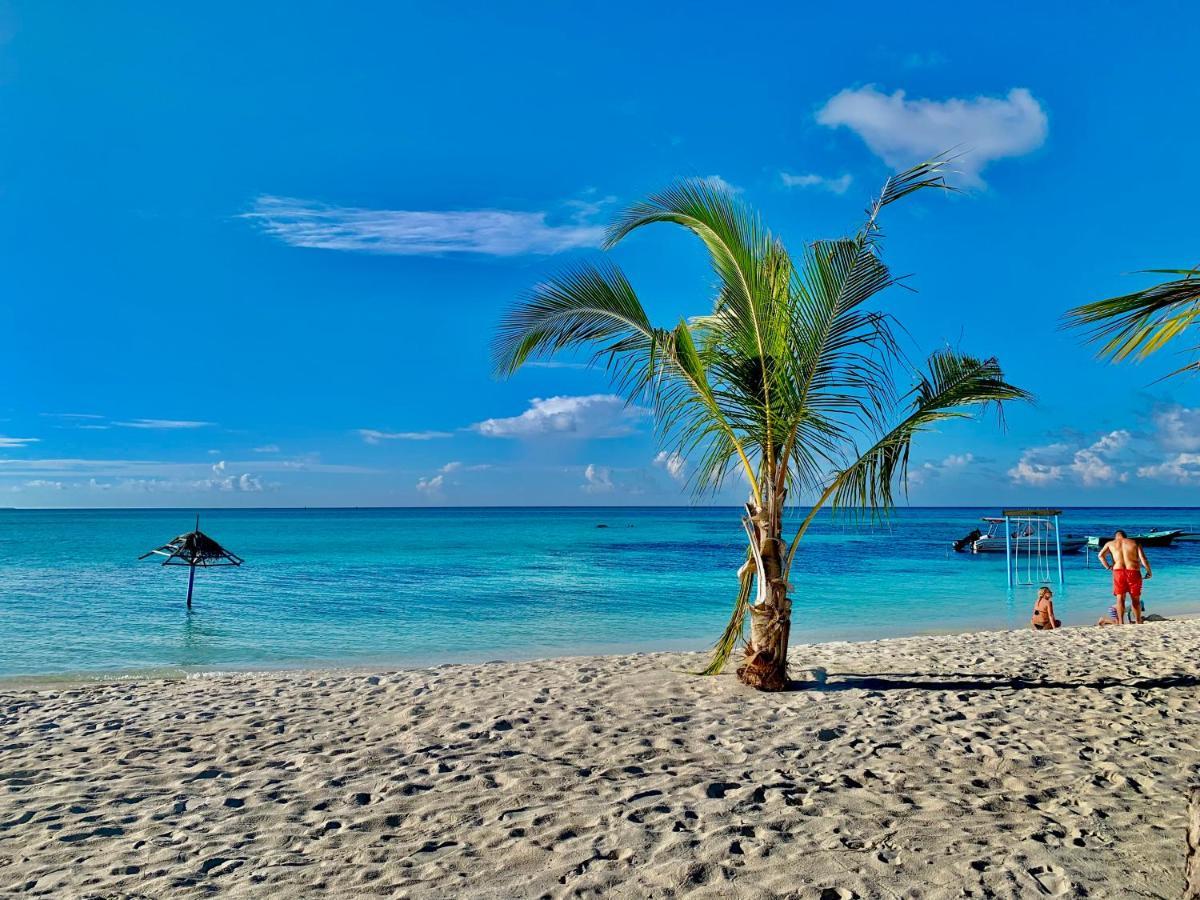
<point x="1127" y="561"/>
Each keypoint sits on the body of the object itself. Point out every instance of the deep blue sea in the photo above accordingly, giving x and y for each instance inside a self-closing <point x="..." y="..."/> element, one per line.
<point x="419" y="586"/>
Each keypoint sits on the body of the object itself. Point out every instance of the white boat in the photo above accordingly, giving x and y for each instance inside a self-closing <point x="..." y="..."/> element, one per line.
<point x="1036" y="538"/>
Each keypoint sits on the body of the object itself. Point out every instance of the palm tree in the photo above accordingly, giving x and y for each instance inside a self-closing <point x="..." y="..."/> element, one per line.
<point x="789" y="381"/>
<point x="1138" y="324"/>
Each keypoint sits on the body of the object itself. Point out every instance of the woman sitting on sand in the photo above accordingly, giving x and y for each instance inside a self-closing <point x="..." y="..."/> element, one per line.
<point x="1043" y="611"/>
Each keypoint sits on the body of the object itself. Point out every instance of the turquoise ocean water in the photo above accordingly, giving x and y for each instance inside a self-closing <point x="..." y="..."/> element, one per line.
<point x="419" y="586"/>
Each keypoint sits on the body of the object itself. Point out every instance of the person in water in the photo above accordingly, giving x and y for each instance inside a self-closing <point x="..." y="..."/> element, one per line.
<point x="1043" y="611"/>
<point x="1127" y="561"/>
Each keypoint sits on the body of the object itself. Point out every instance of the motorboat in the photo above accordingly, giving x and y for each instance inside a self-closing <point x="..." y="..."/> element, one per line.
<point x="1030" y="538"/>
<point x="1155" y="537"/>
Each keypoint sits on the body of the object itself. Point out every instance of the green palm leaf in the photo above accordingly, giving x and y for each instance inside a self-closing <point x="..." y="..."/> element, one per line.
<point x="1138" y="324"/>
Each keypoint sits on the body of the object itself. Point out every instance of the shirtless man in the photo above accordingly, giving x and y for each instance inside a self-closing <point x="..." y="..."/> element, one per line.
<point x="1128" y="560"/>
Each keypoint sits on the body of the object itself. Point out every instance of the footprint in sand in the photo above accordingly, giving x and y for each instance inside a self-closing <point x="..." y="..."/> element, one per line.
<point x="1049" y="881"/>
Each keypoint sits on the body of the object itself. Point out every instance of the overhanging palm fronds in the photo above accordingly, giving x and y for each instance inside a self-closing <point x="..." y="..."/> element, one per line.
<point x="953" y="386"/>
<point x="786" y="375"/>
<point x="1138" y="324"/>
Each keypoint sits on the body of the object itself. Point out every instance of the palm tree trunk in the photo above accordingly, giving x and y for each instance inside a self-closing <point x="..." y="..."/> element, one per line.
<point x="765" y="665"/>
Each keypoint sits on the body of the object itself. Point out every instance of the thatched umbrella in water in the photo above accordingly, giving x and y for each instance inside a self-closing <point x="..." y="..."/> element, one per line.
<point x="194" y="549"/>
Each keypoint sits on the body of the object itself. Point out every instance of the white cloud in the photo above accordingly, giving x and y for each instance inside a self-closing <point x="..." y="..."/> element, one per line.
<point x="431" y="486"/>
<point x="492" y="232"/>
<point x="10" y="443"/>
<point x="233" y="483"/>
<point x="837" y="185"/>
<point x="955" y="462"/>
<point x="555" y="364"/>
<point x="1101" y="462"/>
<point x="1177" y="431"/>
<point x="1094" y="464"/>
<point x="675" y="464"/>
<point x="248" y="482"/>
<point x="455" y="466"/>
<point x="41" y="483"/>
<point x="902" y="131"/>
<point x="219" y="468"/>
<point x="586" y="210"/>
<point x="1180" y="468"/>
<point x="721" y="184"/>
<point x="164" y="424"/>
<point x="1178" y="428"/>
<point x="1039" y="465"/>
<point x="597" y="479"/>
<point x="371" y="436"/>
<point x="86" y="421"/>
<point x="268" y="448"/>
<point x="591" y="416"/>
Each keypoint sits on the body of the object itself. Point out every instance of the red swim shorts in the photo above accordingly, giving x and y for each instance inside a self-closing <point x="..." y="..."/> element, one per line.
<point x="1127" y="581"/>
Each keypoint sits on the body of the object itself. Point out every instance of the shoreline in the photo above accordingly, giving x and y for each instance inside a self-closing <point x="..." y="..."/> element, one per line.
<point x="52" y="680"/>
<point x="1005" y="763"/>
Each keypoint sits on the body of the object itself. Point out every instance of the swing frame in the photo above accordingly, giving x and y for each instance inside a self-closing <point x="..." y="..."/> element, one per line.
<point x="1043" y="520"/>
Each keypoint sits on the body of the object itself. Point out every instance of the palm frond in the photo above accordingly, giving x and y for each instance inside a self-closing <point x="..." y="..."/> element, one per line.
<point x="732" y="634"/>
<point x="930" y="174"/>
<point x="1138" y="324"/>
<point x="953" y="386"/>
<point x="589" y="303"/>
<point x="593" y="305"/>
<point x="753" y="271"/>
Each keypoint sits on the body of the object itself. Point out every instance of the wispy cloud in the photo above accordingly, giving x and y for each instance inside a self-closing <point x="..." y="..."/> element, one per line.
<point x="371" y="436"/>
<point x="838" y="185"/>
<point x="244" y="483"/>
<point x="675" y="465"/>
<point x="41" y="484"/>
<point x="9" y="443"/>
<point x="162" y="469"/>
<point x="721" y="184"/>
<point x="902" y="131"/>
<point x="555" y="364"/>
<point x="163" y="424"/>
<point x="591" y="416"/>
<point x="402" y="232"/>
<point x="456" y="466"/>
<point x="431" y="487"/>
<point x="955" y="462"/>
<point x="267" y="448"/>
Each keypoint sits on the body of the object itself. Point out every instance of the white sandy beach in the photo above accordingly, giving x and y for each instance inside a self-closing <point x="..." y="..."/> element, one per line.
<point x="921" y="769"/>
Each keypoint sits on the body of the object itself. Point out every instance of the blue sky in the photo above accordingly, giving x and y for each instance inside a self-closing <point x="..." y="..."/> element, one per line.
<point x="253" y="254"/>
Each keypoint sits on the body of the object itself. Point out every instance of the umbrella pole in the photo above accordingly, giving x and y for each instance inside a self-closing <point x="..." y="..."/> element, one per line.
<point x="191" y="581"/>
